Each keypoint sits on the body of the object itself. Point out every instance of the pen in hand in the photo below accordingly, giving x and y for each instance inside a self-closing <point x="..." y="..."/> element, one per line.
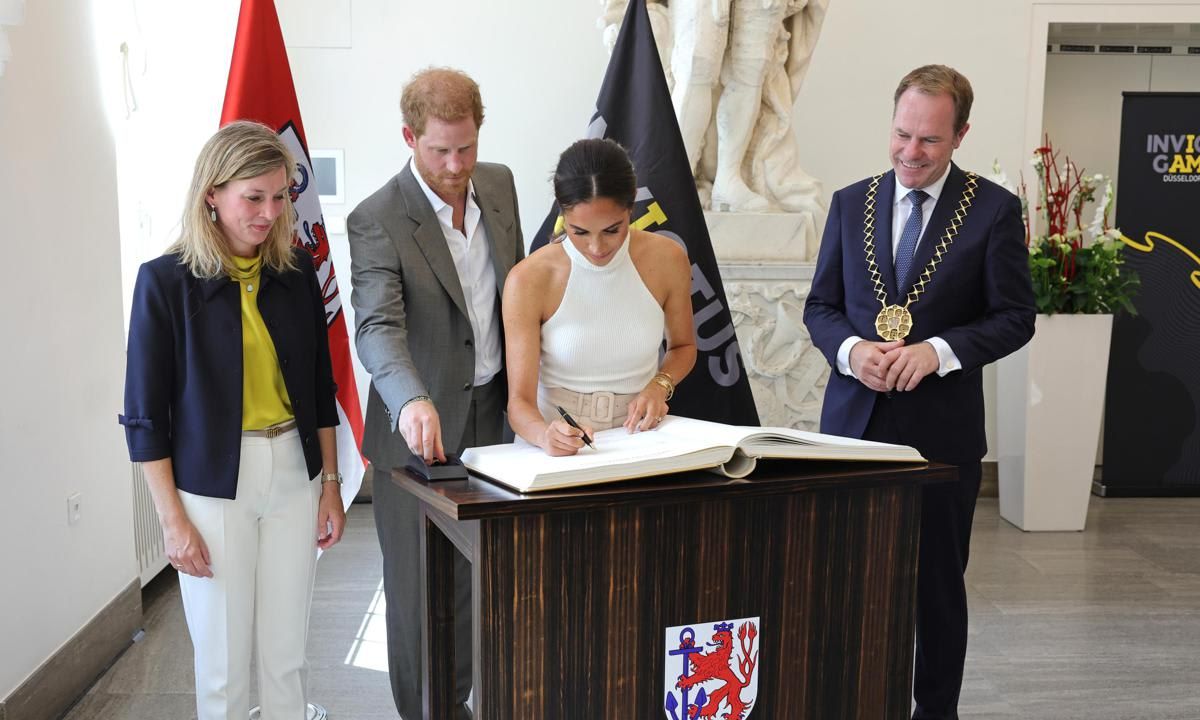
<point x="571" y="421"/>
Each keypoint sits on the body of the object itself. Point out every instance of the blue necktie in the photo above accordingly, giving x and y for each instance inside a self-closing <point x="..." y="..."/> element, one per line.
<point x="908" y="240"/>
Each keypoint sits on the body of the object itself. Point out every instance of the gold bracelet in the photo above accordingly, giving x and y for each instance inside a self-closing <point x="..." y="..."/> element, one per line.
<point x="664" y="381"/>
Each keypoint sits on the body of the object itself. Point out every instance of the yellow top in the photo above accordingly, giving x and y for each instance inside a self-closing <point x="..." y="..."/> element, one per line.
<point x="265" y="400"/>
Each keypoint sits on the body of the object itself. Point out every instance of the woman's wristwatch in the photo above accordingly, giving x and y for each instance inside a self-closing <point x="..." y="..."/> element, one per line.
<point x="331" y="477"/>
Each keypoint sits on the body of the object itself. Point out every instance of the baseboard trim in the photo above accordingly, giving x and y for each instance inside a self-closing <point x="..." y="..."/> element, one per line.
<point x="989" y="483"/>
<point x="67" y="674"/>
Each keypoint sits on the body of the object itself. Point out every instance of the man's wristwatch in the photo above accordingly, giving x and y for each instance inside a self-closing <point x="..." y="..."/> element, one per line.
<point x="415" y="398"/>
<point x="331" y="477"/>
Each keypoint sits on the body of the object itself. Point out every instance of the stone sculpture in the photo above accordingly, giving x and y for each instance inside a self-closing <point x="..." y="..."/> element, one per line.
<point x="736" y="67"/>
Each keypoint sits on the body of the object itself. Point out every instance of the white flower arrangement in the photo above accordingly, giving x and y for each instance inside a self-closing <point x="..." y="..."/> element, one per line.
<point x="1073" y="271"/>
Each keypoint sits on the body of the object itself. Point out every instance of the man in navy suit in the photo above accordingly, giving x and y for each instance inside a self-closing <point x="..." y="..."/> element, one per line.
<point x="922" y="279"/>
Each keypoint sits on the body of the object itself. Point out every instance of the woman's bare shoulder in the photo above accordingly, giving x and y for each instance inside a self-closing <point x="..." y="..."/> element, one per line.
<point x="540" y="267"/>
<point x="655" y="248"/>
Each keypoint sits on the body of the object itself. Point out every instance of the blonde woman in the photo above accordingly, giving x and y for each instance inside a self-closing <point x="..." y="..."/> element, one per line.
<point x="229" y="406"/>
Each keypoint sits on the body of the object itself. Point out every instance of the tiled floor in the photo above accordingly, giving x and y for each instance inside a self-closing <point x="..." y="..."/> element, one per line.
<point x="1099" y="625"/>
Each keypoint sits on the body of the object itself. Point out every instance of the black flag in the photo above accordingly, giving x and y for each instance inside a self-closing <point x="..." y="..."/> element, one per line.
<point x="634" y="109"/>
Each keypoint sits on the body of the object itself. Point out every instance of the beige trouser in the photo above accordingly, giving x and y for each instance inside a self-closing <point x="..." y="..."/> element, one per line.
<point x="601" y="410"/>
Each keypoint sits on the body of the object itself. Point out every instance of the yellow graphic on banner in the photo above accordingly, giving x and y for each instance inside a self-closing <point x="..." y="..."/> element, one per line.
<point x="1148" y="246"/>
<point x="654" y="216"/>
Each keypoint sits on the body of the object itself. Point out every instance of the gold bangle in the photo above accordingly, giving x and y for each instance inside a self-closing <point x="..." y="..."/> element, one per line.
<point x="663" y="380"/>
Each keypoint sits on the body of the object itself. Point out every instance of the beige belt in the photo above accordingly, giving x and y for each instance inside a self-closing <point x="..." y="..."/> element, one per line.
<point x="273" y="431"/>
<point x="600" y="406"/>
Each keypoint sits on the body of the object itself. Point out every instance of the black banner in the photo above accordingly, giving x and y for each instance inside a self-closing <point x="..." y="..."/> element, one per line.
<point x="1152" y="411"/>
<point x="634" y="109"/>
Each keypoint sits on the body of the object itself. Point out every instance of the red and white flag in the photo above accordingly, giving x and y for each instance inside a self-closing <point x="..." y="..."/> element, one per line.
<point x="260" y="88"/>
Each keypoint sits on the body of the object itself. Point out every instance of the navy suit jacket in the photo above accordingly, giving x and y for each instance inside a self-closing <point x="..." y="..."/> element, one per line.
<point x="980" y="301"/>
<point x="183" y="378"/>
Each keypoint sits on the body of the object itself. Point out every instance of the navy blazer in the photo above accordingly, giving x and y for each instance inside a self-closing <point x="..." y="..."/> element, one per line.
<point x="183" y="380"/>
<point x="980" y="301"/>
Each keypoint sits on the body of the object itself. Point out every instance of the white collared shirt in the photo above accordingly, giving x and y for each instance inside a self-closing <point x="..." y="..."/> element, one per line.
<point x="473" y="261"/>
<point x="948" y="362"/>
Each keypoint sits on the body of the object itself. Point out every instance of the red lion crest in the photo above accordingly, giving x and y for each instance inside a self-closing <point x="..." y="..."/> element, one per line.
<point x="717" y="665"/>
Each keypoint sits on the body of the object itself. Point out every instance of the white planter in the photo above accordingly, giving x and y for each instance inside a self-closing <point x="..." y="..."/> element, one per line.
<point x="1050" y="402"/>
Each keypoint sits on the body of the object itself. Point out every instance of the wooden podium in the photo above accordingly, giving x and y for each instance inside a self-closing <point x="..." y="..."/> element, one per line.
<point x="574" y="590"/>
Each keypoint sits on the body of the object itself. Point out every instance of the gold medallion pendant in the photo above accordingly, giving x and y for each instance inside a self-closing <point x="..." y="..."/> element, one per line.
<point x="893" y="322"/>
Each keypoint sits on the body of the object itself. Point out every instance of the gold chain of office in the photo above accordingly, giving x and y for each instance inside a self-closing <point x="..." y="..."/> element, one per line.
<point x="895" y="322"/>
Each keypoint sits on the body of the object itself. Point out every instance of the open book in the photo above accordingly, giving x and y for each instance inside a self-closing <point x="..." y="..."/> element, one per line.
<point x="678" y="444"/>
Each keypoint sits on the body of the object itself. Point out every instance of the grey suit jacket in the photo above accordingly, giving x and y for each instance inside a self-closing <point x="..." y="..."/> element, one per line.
<point x="412" y="331"/>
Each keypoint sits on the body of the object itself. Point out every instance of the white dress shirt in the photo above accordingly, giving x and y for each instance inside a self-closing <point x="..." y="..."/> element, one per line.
<point x="901" y="208"/>
<point x="473" y="261"/>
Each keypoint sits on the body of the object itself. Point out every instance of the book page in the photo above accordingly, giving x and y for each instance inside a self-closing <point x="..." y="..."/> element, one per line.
<point x="786" y="442"/>
<point x="804" y="437"/>
<point x="523" y="465"/>
<point x="712" y="434"/>
<point x="618" y="445"/>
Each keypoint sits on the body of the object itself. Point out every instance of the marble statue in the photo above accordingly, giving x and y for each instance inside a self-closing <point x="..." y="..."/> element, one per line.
<point x="660" y="25"/>
<point x="736" y="67"/>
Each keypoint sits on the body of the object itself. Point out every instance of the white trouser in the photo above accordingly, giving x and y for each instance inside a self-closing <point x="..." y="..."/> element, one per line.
<point x="263" y="548"/>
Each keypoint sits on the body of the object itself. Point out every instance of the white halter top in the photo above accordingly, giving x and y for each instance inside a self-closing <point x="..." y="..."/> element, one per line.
<point x="607" y="331"/>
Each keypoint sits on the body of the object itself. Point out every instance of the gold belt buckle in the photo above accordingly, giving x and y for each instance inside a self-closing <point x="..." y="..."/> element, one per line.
<point x="274" y="431"/>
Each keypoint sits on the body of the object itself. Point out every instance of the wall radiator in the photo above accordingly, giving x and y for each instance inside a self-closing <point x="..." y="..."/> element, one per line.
<point x="147" y="533"/>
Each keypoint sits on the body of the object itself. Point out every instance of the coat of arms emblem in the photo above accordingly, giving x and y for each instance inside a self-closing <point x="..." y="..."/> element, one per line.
<point x="310" y="230"/>
<point x="709" y="671"/>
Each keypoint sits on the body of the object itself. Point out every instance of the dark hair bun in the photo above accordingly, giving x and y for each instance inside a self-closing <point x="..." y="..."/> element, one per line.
<point x="594" y="168"/>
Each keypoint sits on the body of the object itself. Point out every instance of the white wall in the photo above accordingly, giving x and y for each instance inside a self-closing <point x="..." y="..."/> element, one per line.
<point x="63" y="361"/>
<point x="538" y="63"/>
<point x="865" y="48"/>
<point x="1083" y="100"/>
<point x="162" y="104"/>
<point x="1083" y="107"/>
